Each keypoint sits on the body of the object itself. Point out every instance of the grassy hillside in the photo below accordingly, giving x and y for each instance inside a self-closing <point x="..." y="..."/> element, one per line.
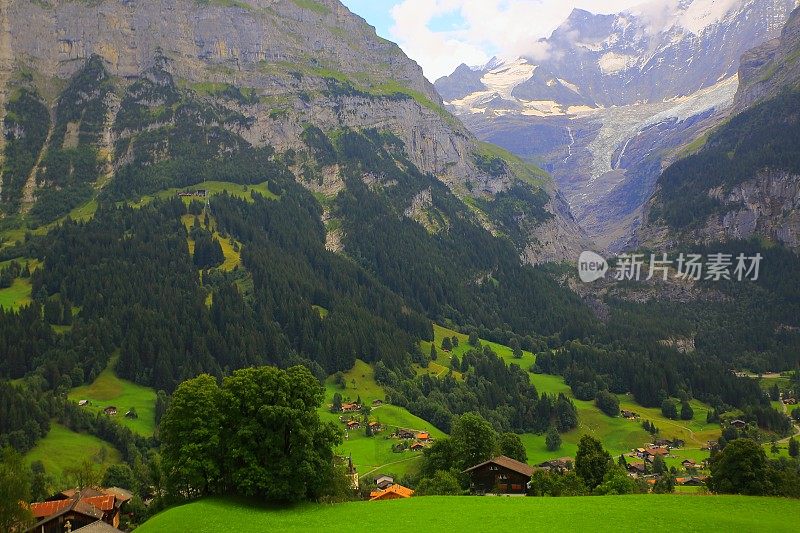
<point x="374" y="454"/>
<point x="108" y="389"/>
<point x="617" y="434"/>
<point x="212" y="187"/>
<point x="17" y="295"/>
<point x="63" y="448"/>
<point x="619" y="513"/>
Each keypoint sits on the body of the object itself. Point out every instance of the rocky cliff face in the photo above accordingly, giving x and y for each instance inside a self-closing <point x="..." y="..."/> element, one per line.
<point x="610" y="98"/>
<point x="761" y="195"/>
<point x="299" y="62"/>
<point x="772" y="67"/>
<point x="766" y="206"/>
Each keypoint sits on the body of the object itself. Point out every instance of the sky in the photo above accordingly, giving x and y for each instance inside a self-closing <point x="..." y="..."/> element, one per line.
<point x="442" y="34"/>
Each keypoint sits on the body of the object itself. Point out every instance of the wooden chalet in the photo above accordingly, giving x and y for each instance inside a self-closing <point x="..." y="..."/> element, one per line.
<point x="405" y="434"/>
<point x="377" y="403"/>
<point x="393" y="492"/>
<point x="384" y="482"/>
<point x="110" y="411"/>
<point x="417" y="446"/>
<point x="637" y="469"/>
<point x="73" y="510"/>
<point x="423" y="436"/>
<point x="353" y="424"/>
<point x="560" y="465"/>
<point x="738" y="424"/>
<point x="689" y="464"/>
<point x="351" y="407"/>
<point x="501" y="475"/>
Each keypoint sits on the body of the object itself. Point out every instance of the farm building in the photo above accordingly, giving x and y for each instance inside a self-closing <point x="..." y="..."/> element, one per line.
<point x="72" y="510"/>
<point x="561" y="465"/>
<point x="405" y="433"/>
<point x="738" y="424"/>
<point x="351" y="407"/>
<point x="83" y="403"/>
<point x="500" y="475"/>
<point x="637" y="469"/>
<point x="384" y="481"/>
<point x="110" y="411"/>
<point x="377" y="403"/>
<point x="393" y="492"/>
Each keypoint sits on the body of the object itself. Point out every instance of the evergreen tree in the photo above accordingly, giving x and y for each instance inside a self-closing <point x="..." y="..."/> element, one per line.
<point x="552" y="439"/>
<point x="592" y="461"/>
<point x="447" y="344"/>
<point x="473" y="338"/>
<point x="794" y="448"/>
<point x="669" y="409"/>
<point x="687" y="413"/>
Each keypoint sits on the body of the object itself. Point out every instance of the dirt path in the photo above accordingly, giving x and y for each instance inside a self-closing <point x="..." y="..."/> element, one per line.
<point x="390" y="464"/>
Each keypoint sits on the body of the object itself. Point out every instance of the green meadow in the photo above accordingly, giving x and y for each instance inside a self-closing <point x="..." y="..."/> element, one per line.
<point x="63" y="448"/>
<point x="651" y="513"/>
<point x="212" y="187"/>
<point x="617" y="434"/>
<point x="17" y="295"/>
<point x="374" y="454"/>
<point x="108" y="389"/>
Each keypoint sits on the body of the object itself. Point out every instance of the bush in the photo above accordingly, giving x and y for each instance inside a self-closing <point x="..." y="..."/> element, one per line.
<point x="607" y="402"/>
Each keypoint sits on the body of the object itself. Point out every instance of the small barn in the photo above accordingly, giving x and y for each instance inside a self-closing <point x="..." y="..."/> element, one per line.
<point x="501" y="475"/>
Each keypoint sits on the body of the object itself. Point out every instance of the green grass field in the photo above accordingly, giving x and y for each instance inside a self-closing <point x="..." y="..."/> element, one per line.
<point x="62" y="448"/>
<point x="108" y="389"/>
<point x="374" y="454"/>
<point x="17" y="295"/>
<point x="213" y="187"/>
<point x="618" y="435"/>
<point x="651" y="513"/>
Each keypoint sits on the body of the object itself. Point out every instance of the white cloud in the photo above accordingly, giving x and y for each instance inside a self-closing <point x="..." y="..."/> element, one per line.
<point x="507" y="28"/>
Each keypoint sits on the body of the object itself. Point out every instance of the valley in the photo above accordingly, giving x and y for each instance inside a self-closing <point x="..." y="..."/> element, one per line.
<point x="254" y="267"/>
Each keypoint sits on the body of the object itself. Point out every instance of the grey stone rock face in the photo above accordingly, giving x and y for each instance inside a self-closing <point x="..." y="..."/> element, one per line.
<point x="285" y="52"/>
<point x="610" y="99"/>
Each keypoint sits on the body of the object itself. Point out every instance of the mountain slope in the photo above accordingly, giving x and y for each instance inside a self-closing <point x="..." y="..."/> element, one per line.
<point x="610" y="97"/>
<point x="744" y="180"/>
<point x="291" y="63"/>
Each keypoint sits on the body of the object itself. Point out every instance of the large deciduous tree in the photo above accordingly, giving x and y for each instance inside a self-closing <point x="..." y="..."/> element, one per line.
<point x="741" y="468"/>
<point x="276" y="446"/>
<point x="511" y="445"/>
<point x="191" y="436"/>
<point x="14" y="490"/>
<point x="592" y="461"/>
<point x="474" y="440"/>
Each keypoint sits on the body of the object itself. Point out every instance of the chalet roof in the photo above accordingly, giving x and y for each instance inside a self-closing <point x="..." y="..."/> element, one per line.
<point x="508" y="463"/>
<point x="657" y="451"/>
<point x="398" y="490"/>
<point x="97" y="527"/>
<point x="42" y="509"/>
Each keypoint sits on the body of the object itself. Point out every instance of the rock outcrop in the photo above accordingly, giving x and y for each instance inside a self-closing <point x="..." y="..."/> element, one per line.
<point x="301" y="62"/>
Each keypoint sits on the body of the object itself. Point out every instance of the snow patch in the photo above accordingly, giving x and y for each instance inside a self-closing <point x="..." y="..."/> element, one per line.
<point x="614" y="63"/>
<point x="504" y="77"/>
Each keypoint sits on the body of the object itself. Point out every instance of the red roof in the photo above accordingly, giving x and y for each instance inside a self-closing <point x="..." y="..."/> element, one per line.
<point x="104" y="503"/>
<point x="43" y="509"/>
